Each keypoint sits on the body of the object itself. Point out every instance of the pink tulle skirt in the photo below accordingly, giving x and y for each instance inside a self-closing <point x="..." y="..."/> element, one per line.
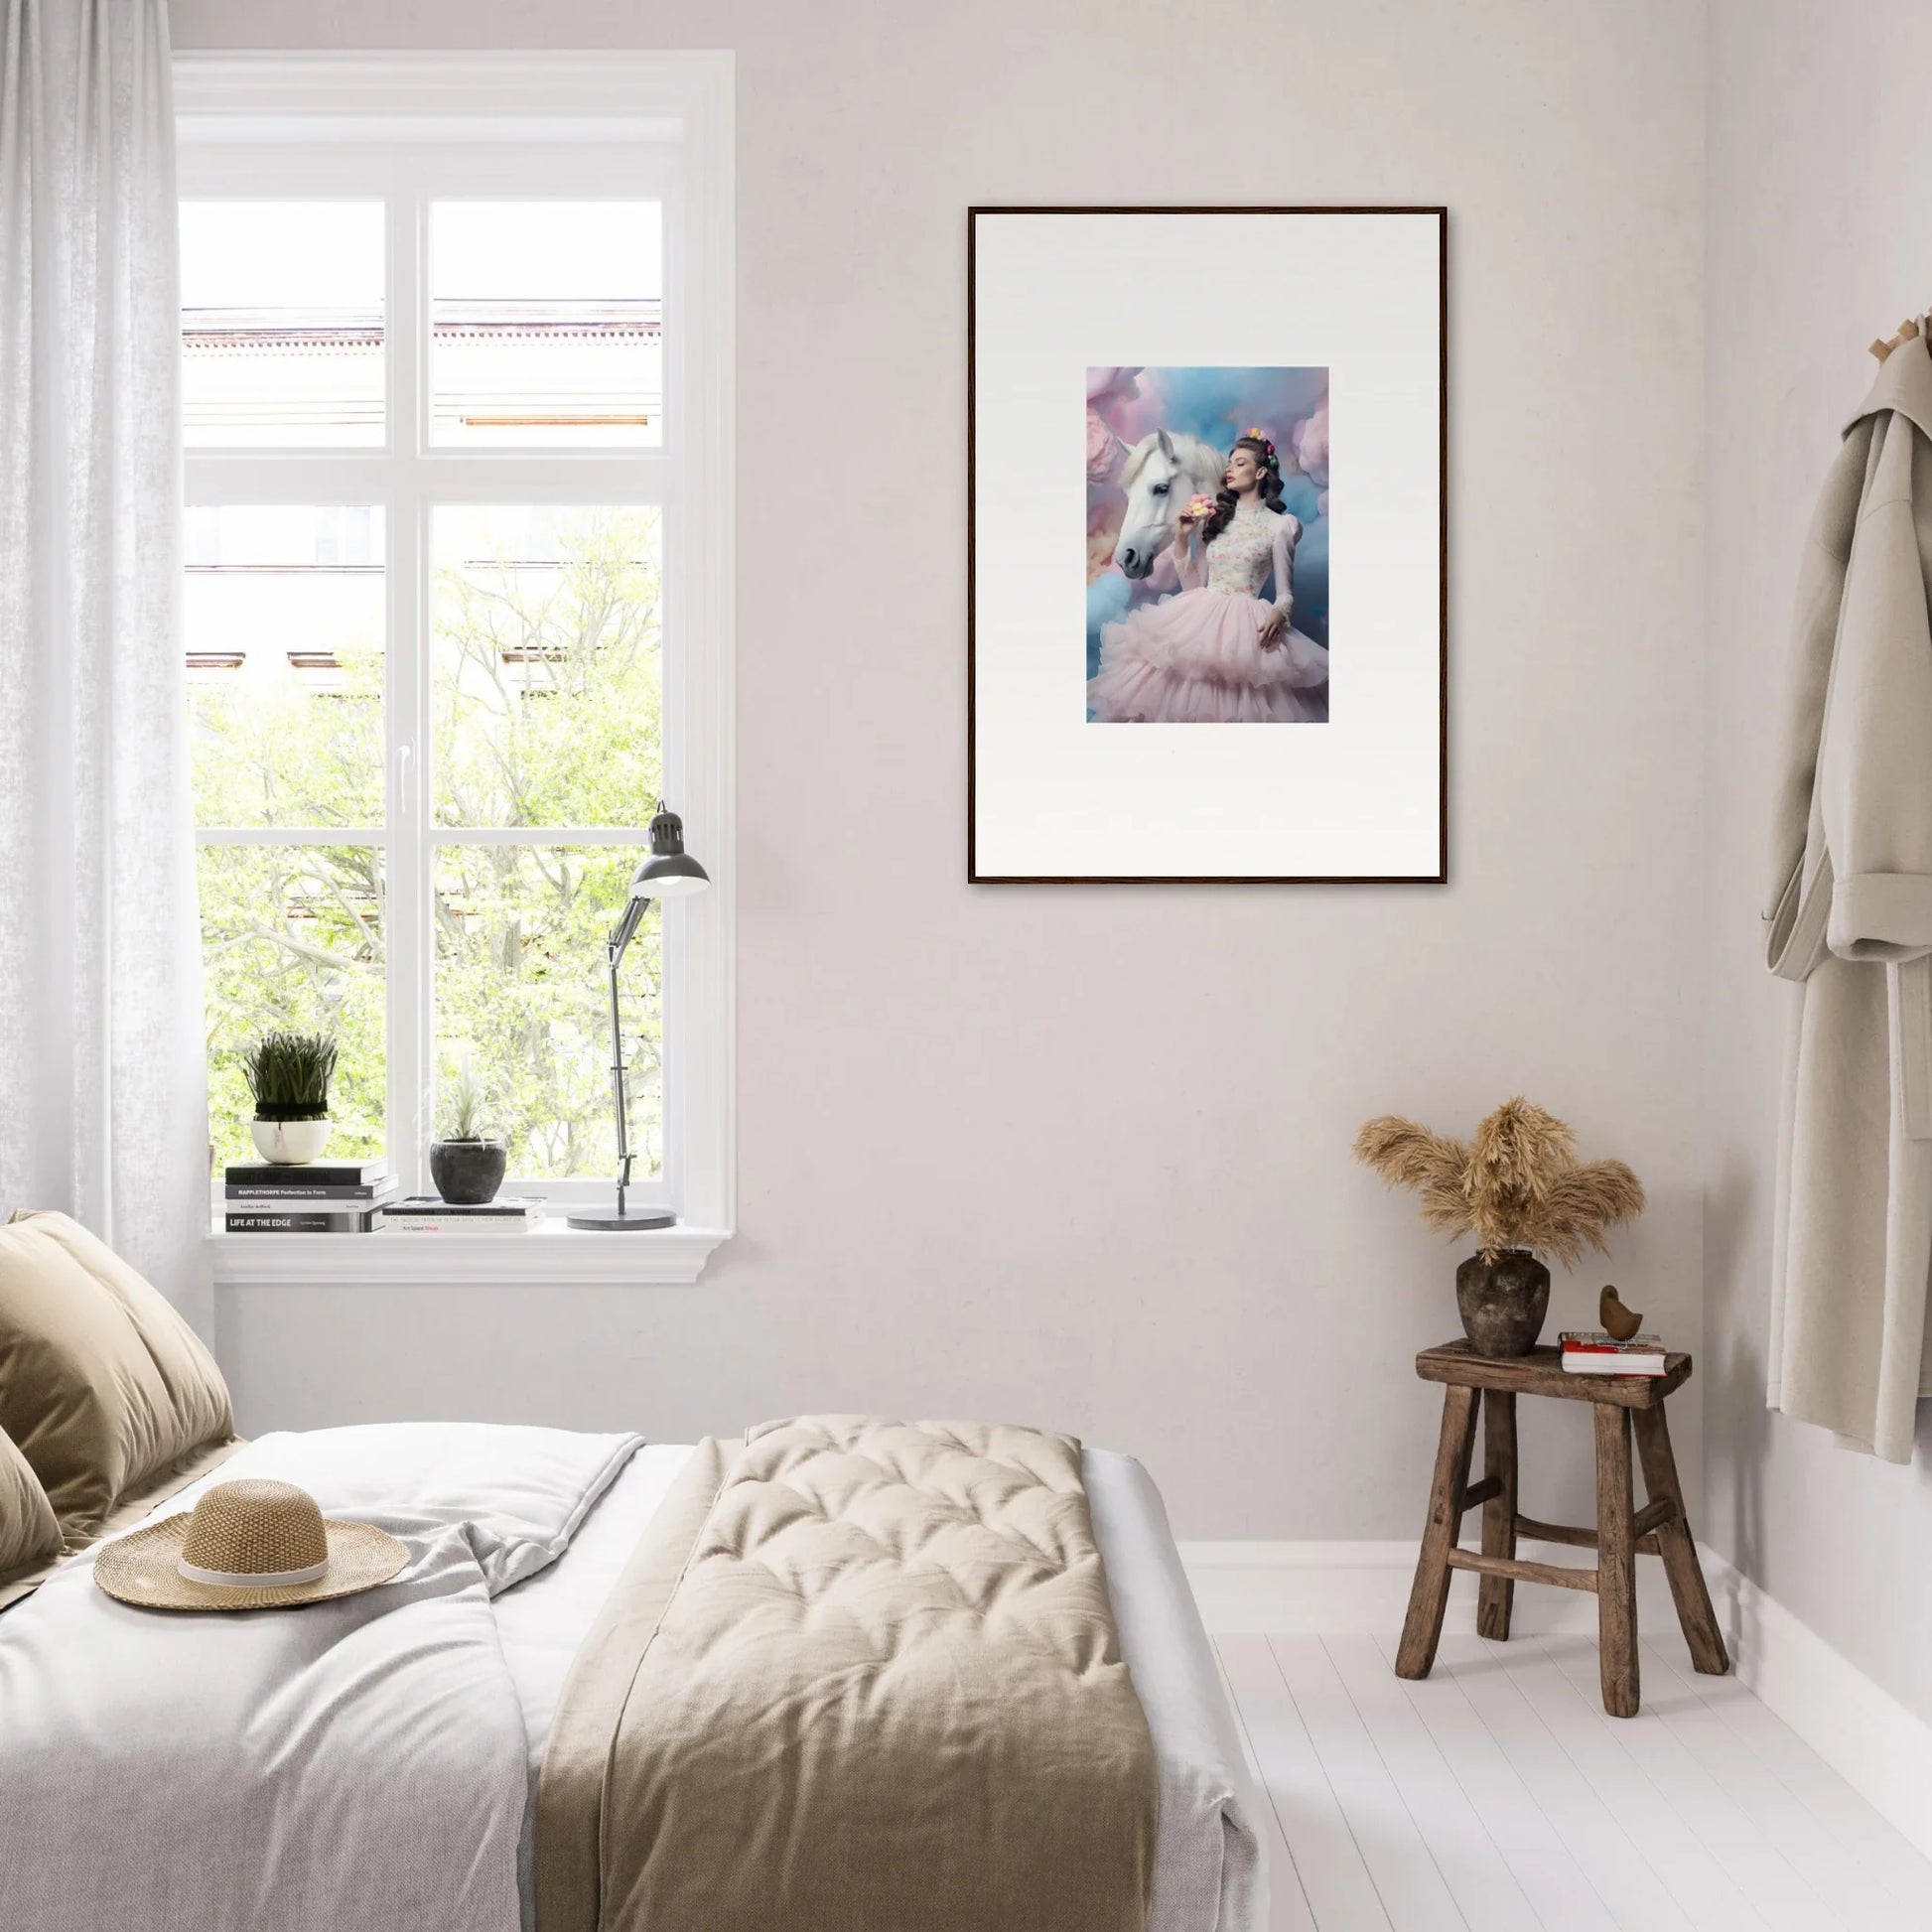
<point x="1196" y="660"/>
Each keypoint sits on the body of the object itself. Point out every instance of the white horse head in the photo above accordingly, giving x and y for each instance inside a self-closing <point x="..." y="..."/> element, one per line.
<point x="1162" y="473"/>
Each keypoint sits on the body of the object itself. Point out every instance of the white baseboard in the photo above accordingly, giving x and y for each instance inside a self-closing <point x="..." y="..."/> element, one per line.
<point x="1880" y="1748"/>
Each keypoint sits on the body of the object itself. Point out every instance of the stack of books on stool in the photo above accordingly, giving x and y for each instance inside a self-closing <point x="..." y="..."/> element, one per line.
<point x="319" y="1197"/>
<point x="426" y="1214"/>
<point x="1595" y="1352"/>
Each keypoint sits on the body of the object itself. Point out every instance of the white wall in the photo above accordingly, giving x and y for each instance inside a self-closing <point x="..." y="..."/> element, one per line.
<point x="1820" y="238"/>
<point x="1080" y="1156"/>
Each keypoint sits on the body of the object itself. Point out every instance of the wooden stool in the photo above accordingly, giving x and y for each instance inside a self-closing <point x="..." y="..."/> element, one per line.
<point x="1659" y="1529"/>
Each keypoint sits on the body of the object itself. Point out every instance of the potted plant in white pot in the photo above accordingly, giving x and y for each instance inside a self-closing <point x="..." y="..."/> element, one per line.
<point x="289" y="1075"/>
<point x="468" y="1164"/>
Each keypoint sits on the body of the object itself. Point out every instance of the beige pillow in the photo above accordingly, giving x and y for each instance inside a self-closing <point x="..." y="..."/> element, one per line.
<point x="103" y="1384"/>
<point x="29" y="1534"/>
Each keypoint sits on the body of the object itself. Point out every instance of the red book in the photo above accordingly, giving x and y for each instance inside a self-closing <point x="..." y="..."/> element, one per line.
<point x="1591" y="1352"/>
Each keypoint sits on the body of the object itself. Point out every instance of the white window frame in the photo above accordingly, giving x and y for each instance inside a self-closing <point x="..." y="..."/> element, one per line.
<point x="409" y="129"/>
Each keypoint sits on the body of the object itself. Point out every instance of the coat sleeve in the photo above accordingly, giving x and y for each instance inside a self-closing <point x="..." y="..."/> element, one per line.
<point x="1797" y="903"/>
<point x="1874" y="757"/>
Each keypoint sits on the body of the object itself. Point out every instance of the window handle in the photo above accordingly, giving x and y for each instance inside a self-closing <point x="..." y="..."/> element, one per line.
<point x="402" y="781"/>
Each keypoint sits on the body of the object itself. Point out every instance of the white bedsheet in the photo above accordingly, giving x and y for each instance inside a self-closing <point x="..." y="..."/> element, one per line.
<point x="1208" y="1873"/>
<point x="352" y="1764"/>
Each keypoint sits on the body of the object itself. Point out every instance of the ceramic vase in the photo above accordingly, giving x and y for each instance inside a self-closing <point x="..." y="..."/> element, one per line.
<point x="1503" y="1302"/>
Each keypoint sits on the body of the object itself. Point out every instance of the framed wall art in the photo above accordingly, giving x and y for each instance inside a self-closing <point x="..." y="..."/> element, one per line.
<point x="1208" y="545"/>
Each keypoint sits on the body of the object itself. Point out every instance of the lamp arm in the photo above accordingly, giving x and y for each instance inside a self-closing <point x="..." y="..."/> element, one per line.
<point x="615" y="947"/>
<point x="625" y="928"/>
<point x="619" y="1102"/>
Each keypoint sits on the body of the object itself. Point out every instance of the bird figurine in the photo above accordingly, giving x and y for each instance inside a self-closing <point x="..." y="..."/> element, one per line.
<point x="1618" y="1323"/>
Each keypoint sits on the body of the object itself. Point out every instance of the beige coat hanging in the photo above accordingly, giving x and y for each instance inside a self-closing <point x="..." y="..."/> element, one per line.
<point x="1851" y="917"/>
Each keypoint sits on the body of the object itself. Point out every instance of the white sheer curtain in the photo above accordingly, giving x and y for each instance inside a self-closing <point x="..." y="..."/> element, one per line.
<point x="101" y="1069"/>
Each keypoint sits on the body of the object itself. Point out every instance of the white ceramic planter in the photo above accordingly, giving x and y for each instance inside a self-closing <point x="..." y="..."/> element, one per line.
<point x="290" y="1143"/>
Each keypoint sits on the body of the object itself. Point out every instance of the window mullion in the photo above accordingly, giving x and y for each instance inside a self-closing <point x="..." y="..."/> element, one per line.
<point x="409" y="924"/>
<point x="291" y="835"/>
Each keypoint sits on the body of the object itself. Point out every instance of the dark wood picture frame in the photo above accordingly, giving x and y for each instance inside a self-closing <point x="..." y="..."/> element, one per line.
<point x="974" y="876"/>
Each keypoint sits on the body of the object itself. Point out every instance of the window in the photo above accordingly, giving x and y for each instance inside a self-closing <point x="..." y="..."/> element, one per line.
<point x="457" y="596"/>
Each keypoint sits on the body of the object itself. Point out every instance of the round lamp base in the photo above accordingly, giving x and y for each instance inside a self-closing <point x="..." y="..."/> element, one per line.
<point x="608" y="1220"/>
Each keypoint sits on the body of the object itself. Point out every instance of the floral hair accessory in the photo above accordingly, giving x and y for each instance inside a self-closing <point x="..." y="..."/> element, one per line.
<point x="1256" y="434"/>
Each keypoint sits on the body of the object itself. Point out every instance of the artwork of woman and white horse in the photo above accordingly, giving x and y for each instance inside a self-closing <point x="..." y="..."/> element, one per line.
<point x="1208" y="545"/>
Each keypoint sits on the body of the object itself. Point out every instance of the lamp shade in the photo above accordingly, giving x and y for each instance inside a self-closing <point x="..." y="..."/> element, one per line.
<point x="669" y="872"/>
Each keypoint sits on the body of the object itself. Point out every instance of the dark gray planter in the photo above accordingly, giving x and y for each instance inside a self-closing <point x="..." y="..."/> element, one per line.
<point x="1503" y="1302"/>
<point x="469" y="1172"/>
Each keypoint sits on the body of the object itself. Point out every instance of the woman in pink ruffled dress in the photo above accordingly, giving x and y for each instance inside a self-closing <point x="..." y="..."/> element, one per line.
<point x="1216" y="654"/>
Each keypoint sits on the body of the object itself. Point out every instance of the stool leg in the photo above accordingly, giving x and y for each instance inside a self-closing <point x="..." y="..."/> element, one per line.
<point x="1495" y="1596"/>
<point x="1678" y="1548"/>
<point x="1617" y="1562"/>
<point x="1421" y="1629"/>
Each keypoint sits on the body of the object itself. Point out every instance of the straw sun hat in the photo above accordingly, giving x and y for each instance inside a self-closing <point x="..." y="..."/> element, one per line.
<point x="249" y="1545"/>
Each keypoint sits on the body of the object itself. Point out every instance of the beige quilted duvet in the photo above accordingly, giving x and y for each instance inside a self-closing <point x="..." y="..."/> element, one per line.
<point x="862" y="1676"/>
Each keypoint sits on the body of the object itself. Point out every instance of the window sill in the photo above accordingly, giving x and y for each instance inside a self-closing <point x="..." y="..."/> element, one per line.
<point x="550" y="1254"/>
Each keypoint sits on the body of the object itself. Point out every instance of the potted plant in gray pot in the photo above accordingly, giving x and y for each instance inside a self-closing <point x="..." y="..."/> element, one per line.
<point x="289" y="1075"/>
<point x="1520" y="1190"/>
<point x="468" y="1163"/>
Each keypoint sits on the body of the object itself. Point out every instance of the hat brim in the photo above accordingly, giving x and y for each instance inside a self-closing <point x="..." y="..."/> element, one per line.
<point x="140" y="1569"/>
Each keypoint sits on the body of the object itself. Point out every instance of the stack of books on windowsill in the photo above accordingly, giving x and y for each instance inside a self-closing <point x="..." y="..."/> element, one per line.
<point x="1594" y="1351"/>
<point x="320" y="1197"/>
<point x="426" y="1214"/>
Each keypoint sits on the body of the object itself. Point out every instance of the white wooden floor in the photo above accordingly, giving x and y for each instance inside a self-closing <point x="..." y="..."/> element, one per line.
<point x="1498" y="1796"/>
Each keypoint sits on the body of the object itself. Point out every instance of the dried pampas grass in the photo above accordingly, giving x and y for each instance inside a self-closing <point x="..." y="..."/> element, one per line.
<point x="1517" y="1185"/>
<point x="1429" y="1165"/>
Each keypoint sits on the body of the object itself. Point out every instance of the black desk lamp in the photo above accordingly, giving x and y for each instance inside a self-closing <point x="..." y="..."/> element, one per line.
<point x="669" y="872"/>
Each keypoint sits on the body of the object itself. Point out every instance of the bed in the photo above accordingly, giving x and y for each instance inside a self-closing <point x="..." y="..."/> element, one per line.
<point x="500" y="1632"/>
<point x="842" y="1674"/>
